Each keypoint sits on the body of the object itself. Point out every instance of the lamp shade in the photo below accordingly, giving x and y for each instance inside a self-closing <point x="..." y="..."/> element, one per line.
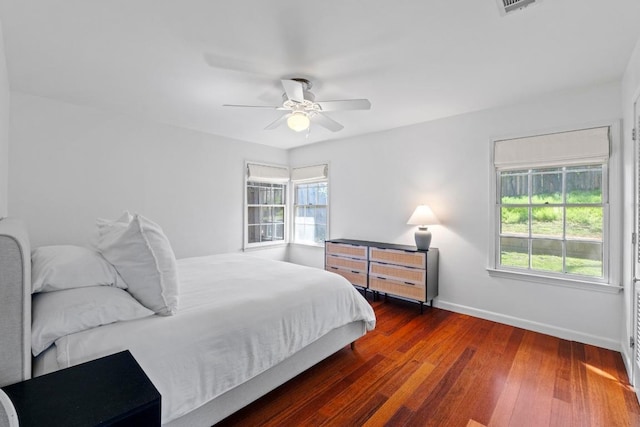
<point x="298" y="121"/>
<point x="423" y="215"/>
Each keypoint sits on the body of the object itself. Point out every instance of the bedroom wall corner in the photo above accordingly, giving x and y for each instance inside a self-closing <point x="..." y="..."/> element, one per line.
<point x="312" y="256"/>
<point x="4" y="128"/>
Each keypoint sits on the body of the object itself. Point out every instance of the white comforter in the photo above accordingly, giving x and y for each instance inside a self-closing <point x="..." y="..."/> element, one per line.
<point x="238" y="316"/>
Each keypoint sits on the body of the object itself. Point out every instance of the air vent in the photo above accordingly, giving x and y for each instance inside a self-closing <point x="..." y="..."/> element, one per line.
<point x="508" y="6"/>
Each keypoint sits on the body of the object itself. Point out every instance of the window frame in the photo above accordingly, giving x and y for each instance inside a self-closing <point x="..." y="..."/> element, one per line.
<point x="247" y="182"/>
<point x="294" y="205"/>
<point x="612" y="228"/>
<point x="531" y="236"/>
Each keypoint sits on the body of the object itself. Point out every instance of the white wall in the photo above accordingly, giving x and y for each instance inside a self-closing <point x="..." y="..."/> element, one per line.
<point x="630" y="93"/>
<point x="71" y="164"/>
<point x="377" y="180"/>
<point x="4" y="130"/>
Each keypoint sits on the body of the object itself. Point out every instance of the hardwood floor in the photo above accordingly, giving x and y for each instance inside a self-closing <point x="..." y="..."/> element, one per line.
<point x="447" y="369"/>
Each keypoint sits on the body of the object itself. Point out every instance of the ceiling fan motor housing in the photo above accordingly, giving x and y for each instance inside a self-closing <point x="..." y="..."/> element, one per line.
<point x="308" y="96"/>
<point x="308" y="105"/>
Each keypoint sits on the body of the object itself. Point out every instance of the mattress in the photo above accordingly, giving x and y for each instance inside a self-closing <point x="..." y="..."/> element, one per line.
<point x="238" y="316"/>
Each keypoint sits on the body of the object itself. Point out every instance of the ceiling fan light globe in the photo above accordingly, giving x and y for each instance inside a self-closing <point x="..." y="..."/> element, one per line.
<point x="298" y="121"/>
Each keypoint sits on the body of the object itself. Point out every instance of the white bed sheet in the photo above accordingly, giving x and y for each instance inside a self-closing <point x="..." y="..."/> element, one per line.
<point x="238" y="316"/>
<point x="45" y="362"/>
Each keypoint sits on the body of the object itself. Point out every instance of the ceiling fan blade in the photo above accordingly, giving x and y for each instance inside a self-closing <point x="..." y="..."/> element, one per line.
<point x="294" y="90"/>
<point x="326" y="122"/>
<point x="254" y="106"/>
<point x="345" y="104"/>
<point x="240" y="65"/>
<point x="277" y="122"/>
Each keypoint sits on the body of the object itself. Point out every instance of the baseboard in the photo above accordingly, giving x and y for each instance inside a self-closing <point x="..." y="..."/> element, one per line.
<point x="543" y="328"/>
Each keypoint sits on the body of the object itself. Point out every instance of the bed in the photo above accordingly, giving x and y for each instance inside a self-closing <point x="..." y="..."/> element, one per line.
<point x="244" y="326"/>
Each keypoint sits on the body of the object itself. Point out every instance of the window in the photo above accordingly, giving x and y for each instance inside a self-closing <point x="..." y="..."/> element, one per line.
<point x="265" y="205"/>
<point x="265" y="212"/>
<point x="552" y="220"/>
<point x="310" y="213"/>
<point x="310" y="204"/>
<point x="552" y="205"/>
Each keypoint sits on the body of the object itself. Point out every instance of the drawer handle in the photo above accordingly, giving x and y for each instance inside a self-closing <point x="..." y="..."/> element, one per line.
<point x="333" y="268"/>
<point x="409" y="283"/>
<point x="354" y="271"/>
<point x="381" y="278"/>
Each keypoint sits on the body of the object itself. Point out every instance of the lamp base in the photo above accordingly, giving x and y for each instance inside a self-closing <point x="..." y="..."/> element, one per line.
<point x="423" y="238"/>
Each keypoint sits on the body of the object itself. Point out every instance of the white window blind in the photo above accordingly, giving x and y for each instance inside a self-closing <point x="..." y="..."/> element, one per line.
<point x="309" y="173"/>
<point x="580" y="147"/>
<point x="264" y="173"/>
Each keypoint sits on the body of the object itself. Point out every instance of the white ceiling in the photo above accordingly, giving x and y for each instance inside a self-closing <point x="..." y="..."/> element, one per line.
<point x="177" y="62"/>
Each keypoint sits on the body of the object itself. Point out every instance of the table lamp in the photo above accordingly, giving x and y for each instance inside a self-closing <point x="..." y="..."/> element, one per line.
<point x="422" y="217"/>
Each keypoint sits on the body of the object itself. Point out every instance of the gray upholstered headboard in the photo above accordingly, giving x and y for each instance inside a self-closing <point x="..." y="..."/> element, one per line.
<point x="15" y="302"/>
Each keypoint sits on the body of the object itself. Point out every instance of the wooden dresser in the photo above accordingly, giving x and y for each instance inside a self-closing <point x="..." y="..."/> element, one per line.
<point x="386" y="268"/>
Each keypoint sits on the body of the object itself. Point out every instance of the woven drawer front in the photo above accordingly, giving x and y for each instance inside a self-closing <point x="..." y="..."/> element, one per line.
<point x="347" y="263"/>
<point x="397" y="288"/>
<point x="414" y="275"/>
<point x="357" y="278"/>
<point x="392" y="256"/>
<point x="346" y="250"/>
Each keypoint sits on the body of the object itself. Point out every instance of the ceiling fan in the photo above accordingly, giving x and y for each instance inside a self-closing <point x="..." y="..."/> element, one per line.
<point x="302" y="108"/>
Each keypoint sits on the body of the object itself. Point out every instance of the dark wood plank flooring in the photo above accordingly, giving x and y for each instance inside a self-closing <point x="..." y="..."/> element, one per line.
<point x="448" y="369"/>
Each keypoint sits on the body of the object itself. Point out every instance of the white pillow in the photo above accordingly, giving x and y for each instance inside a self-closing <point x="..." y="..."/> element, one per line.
<point x="143" y="256"/>
<point x="56" y="314"/>
<point x="60" y="267"/>
<point x="105" y="225"/>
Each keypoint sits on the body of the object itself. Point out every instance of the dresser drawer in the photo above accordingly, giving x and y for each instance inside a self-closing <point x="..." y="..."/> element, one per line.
<point x="394" y="287"/>
<point x="393" y="256"/>
<point x="358" y="278"/>
<point x="347" y="263"/>
<point x="344" y="249"/>
<point x="402" y="274"/>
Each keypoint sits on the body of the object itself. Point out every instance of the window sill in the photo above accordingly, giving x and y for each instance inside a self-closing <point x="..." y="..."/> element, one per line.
<point x="282" y="245"/>
<point x="557" y="281"/>
<point x="308" y="245"/>
<point x="265" y="246"/>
